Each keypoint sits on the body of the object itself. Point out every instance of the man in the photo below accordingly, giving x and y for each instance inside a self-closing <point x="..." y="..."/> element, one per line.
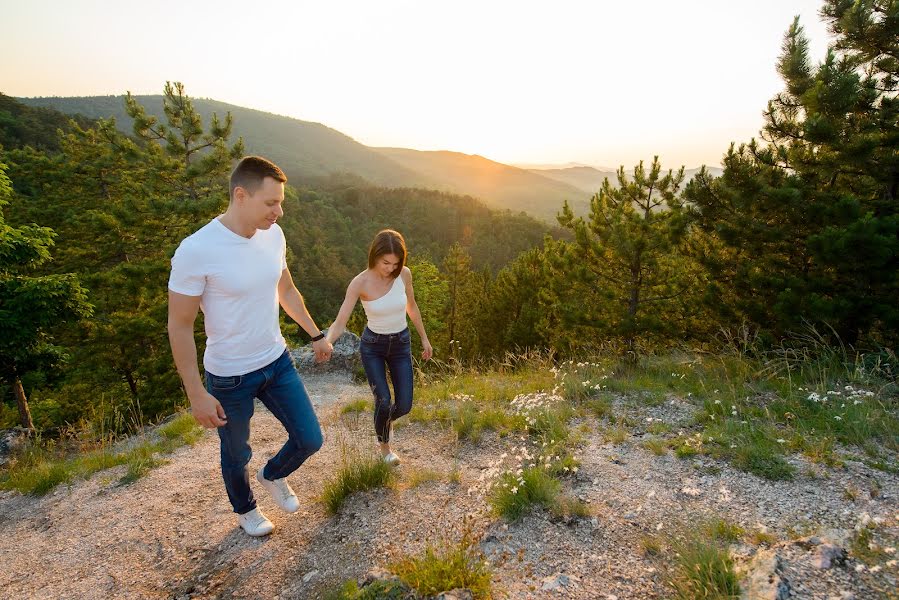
<point x="235" y="269"/>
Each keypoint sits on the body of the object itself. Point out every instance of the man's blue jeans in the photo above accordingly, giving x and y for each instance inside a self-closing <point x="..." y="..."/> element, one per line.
<point x="380" y="351"/>
<point x="280" y="389"/>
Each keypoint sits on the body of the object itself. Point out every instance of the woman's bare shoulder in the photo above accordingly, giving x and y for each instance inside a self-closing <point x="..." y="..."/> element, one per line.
<point x="358" y="282"/>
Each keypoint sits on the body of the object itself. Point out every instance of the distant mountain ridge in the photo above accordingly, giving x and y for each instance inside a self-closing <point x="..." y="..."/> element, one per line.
<point x="302" y="148"/>
<point x="312" y="151"/>
<point x="589" y="179"/>
<point x="491" y="181"/>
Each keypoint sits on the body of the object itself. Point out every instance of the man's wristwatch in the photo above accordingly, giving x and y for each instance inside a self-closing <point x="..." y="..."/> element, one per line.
<point x="320" y="336"/>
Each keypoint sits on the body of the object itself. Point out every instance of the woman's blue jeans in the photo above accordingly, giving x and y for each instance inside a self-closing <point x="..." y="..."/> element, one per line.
<point x="380" y="352"/>
<point x="280" y="389"/>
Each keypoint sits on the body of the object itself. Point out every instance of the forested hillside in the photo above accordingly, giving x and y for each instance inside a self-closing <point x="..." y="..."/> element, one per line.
<point x="796" y="240"/>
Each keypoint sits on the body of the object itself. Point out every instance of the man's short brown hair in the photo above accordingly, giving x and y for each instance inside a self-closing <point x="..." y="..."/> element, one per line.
<point x="250" y="172"/>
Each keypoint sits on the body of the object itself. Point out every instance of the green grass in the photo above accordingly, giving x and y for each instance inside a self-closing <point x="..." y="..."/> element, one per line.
<point x="659" y="428"/>
<point x="656" y="446"/>
<point x="140" y="464"/>
<point x="863" y="547"/>
<point x="616" y="435"/>
<point x="762" y="538"/>
<point x="704" y="570"/>
<point x="755" y="406"/>
<point x="447" y="567"/>
<point x="455" y="476"/>
<point x="360" y="405"/>
<point x="751" y="447"/>
<point x="569" y="506"/>
<point x="551" y="424"/>
<point x="511" y="496"/>
<point x="474" y="402"/>
<point x="764" y="462"/>
<point x="771" y="387"/>
<point x="725" y="531"/>
<point x="687" y="446"/>
<point x="599" y="406"/>
<point x="651" y="545"/>
<point x="417" y="477"/>
<point x="470" y="420"/>
<point x="41" y="468"/>
<point x="358" y="472"/>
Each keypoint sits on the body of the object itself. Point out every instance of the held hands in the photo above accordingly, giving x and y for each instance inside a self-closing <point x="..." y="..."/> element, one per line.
<point x="207" y="411"/>
<point x="427" y="350"/>
<point x="323" y="349"/>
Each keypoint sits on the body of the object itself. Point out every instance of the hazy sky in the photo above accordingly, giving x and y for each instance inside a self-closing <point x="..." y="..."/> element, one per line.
<point x="596" y="82"/>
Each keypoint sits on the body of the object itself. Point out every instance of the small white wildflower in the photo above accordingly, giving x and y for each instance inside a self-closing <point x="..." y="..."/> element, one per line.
<point x="838" y="417"/>
<point x="781" y="441"/>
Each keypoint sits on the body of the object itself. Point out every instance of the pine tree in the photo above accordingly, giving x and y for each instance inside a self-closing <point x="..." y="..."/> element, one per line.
<point x="430" y="295"/>
<point x="808" y="218"/>
<point x="31" y="306"/>
<point x="121" y="205"/>
<point x="624" y="272"/>
<point x="512" y="312"/>
<point x="457" y="269"/>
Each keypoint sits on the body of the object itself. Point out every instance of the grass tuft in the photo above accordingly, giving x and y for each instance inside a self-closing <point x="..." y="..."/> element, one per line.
<point x="512" y="495"/>
<point x="417" y="477"/>
<point x="704" y="570"/>
<point x="358" y="472"/>
<point x="360" y="405"/>
<point x="454" y="565"/>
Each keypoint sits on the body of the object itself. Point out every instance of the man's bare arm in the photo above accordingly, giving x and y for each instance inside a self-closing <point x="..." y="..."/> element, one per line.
<point x="182" y="313"/>
<point x="292" y="302"/>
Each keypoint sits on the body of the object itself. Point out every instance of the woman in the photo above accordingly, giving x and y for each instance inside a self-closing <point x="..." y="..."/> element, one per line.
<point x="385" y="289"/>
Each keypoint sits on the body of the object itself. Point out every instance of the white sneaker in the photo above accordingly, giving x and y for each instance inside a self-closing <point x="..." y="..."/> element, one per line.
<point x="392" y="459"/>
<point x="280" y="491"/>
<point x="255" y="523"/>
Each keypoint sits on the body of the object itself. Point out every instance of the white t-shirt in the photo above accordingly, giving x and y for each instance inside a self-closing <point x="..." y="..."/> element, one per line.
<point x="237" y="278"/>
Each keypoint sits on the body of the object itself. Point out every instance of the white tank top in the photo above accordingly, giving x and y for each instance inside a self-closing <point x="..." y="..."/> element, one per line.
<point x="387" y="314"/>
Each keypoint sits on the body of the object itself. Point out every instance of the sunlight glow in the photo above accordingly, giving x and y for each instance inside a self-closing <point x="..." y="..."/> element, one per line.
<point x="595" y="82"/>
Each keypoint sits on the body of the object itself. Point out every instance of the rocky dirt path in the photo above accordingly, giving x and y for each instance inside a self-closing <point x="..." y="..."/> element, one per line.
<point x="171" y="534"/>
